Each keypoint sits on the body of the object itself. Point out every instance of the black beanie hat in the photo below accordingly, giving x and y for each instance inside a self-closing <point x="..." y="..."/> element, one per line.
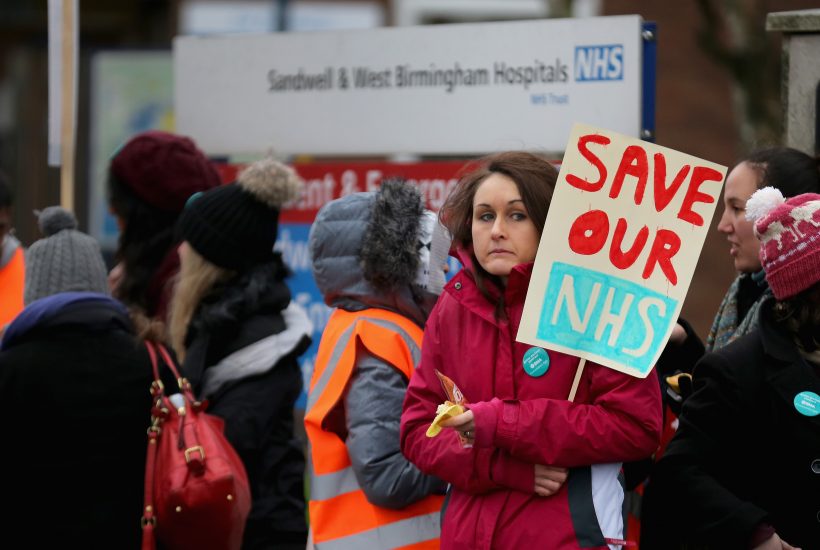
<point x="234" y="226"/>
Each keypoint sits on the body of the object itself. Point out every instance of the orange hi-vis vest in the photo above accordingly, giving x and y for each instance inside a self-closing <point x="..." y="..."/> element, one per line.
<point x="340" y="515"/>
<point x="12" y="281"/>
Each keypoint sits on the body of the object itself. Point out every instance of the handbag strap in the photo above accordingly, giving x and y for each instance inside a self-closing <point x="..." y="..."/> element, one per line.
<point x="158" y="388"/>
<point x="149" y="519"/>
<point x="159" y="413"/>
<point x="194" y="454"/>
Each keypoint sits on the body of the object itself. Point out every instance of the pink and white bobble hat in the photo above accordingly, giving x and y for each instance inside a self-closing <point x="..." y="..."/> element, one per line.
<point x="789" y="233"/>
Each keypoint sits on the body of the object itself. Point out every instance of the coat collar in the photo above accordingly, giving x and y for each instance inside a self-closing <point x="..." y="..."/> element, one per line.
<point x="88" y="308"/>
<point x="790" y="373"/>
<point x="776" y="341"/>
<point x="463" y="288"/>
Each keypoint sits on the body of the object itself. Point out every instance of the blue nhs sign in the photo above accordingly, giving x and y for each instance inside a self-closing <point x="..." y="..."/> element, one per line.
<point x="604" y="62"/>
<point x="613" y="318"/>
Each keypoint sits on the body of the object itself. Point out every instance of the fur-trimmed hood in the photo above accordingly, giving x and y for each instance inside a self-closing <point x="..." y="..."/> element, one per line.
<point x="364" y="249"/>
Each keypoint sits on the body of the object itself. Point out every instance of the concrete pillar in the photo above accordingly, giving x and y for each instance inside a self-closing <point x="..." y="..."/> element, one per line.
<point x="801" y="75"/>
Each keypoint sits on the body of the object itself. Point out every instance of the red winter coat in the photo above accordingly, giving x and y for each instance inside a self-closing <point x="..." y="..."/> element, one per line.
<point x="522" y="421"/>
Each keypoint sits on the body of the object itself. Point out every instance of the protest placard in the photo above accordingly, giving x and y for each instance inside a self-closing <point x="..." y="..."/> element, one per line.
<point x="622" y="238"/>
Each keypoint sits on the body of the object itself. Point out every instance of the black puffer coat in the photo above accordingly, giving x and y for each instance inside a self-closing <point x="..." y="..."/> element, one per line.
<point x="242" y="346"/>
<point x="745" y="454"/>
<point x="75" y="405"/>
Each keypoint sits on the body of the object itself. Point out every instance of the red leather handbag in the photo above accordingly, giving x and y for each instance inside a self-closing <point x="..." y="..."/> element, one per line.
<point x="196" y="490"/>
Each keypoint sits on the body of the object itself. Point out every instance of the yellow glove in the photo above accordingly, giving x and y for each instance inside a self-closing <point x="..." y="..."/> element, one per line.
<point x="446" y="410"/>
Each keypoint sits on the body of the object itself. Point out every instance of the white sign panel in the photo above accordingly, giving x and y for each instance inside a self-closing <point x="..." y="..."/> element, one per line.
<point x="621" y="241"/>
<point x="467" y="88"/>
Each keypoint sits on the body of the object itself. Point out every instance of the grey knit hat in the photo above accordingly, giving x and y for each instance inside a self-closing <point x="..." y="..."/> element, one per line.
<point x="64" y="260"/>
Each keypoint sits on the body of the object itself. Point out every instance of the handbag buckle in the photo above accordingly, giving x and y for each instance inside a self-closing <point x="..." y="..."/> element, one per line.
<point x="152" y="521"/>
<point x="195" y="459"/>
<point x="195" y="449"/>
<point x="148" y="517"/>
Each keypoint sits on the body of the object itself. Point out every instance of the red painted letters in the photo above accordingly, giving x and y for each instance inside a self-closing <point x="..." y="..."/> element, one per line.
<point x="617" y="256"/>
<point x="700" y="175"/>
<point x="635" y="164"/>
<point x="666" y="245"/>
<point x="664" y="195"/>
<point x="589" y="232"/>
<point x="585" y="185"/>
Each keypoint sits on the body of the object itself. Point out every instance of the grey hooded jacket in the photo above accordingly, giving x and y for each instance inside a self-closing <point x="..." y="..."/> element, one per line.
<point x="365" y="255"/>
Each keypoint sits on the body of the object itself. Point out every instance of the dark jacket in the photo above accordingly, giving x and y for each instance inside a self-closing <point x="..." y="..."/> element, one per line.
<point x="75" y="405"/>
<point x="243" y="343"/>
<point x="743" y="454"/>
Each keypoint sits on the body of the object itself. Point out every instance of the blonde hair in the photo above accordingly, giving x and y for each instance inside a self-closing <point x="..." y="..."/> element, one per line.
<point x="197" y="276"/>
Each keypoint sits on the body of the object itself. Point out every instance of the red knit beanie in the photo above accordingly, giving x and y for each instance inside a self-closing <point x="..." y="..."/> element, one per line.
<point x="789" y="231"/>
<point x="163" y="169"/>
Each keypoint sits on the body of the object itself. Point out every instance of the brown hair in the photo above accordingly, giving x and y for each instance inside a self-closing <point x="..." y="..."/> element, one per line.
<point x="535" y="179"/>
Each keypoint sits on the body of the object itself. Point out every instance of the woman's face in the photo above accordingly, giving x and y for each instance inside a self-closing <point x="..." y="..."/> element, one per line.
<point x="745" y="247"/>
<point x="503" y="233"/>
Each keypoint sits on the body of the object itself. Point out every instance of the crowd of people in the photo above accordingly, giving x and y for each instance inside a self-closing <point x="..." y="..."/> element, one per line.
<point x="717" y="448"/>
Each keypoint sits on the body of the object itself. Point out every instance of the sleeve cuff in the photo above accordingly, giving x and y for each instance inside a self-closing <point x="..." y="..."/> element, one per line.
<point x="485" y="418"/>
<point x="496" y="422"/>
<point x="761" y="534"/>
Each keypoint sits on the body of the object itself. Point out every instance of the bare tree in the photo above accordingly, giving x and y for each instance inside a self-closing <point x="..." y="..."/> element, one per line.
<point x="733" y="34"/>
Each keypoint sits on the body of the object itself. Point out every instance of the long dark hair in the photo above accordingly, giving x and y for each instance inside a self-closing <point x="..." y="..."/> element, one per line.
<point x="535" y="179"/>
<point x="791" y="171"/>
<point x="146" y="239"/>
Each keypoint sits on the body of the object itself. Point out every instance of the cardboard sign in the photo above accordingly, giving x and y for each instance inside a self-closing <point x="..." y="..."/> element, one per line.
<point x="622" y="238"/>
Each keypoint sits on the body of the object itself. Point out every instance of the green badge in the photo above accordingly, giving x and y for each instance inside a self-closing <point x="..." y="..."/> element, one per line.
<point x="536" y="362"/>
<point x="807" y="403"/>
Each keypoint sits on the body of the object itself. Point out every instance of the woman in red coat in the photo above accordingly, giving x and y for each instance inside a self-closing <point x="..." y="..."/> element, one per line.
<point x="537" y="471"/>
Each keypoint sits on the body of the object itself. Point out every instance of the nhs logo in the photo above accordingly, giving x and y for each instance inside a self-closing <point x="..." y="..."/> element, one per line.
<point x="605" y="62"/>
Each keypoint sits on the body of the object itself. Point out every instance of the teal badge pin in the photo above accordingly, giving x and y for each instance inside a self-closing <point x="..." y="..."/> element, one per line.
<point x="536" y="362"/>
<point x="807" y="403"/>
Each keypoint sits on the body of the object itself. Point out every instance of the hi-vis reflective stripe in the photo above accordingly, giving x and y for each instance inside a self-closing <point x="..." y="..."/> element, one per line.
<point x="316" y="391"/>
<point x="326" y="486"/>
<point x="340" y="514"/>
<point x="392" y="535"/>
<point x="342" y="343"/>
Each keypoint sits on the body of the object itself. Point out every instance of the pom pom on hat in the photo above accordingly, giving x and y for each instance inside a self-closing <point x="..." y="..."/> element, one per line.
<point x="271" y="182"/>
<point x="54" y="219"/>
<point x="235" y="226"/>
<point x="789" y="232"/>
<point x="762" y="202"/>
<point x="64" y="260"/>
